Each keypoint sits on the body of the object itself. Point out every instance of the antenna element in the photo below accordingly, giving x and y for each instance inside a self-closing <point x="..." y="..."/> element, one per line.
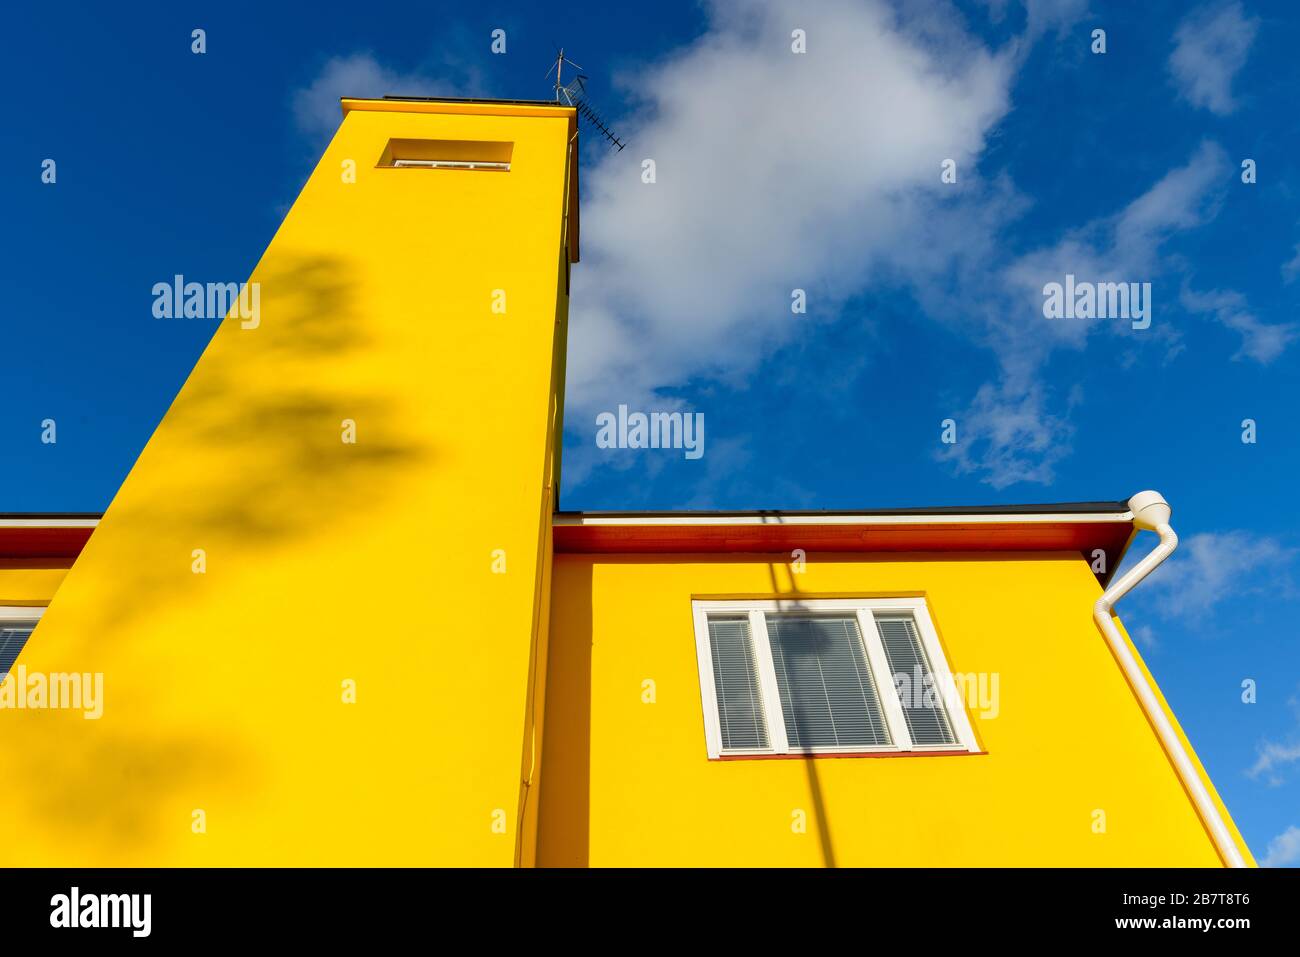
<point x="574" y="93"/>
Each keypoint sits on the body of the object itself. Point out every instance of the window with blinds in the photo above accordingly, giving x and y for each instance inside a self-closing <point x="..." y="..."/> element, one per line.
<point x="826" y="675"/>
<point x="828" y="696"/>
<point x="735" y="682"/>
<point x="12" y="639"/>
<point x="927" y="722"/>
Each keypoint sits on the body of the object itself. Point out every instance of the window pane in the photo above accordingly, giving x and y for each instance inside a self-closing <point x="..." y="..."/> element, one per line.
<point x="11" y="642"/>
<point x="927" y="721"/>
<point x="828" y="696"/>
<point x="735" y="681"/>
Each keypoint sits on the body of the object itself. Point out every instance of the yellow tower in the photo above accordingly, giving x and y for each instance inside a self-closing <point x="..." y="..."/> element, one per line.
<point x="318" y="600"/>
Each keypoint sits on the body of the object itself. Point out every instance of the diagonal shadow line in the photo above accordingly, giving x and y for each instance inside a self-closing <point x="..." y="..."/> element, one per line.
<point x="809" y="761"/>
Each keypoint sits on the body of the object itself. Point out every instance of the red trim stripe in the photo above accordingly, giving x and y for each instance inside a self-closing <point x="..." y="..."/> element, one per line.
<point x="1062" y="536"/>
<point x="43" y="542"/>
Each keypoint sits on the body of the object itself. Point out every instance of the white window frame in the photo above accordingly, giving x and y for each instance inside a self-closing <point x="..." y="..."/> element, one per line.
<point x="21" y="616"/>
<point x="451" y="164"/>
<point x="865" y="610"/>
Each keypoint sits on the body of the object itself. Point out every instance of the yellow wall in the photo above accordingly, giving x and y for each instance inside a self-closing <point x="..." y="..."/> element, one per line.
<point x="328" y="561"/>
<point x="629" y="783"/>
<point x="31" y="581"/>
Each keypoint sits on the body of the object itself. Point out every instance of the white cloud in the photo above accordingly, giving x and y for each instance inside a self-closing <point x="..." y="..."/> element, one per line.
<point x="1259" y="340"/>
<point x="1009" y="433"/>
<point x="1008" y="436"/>
<point x="1210" y="46"/>
<point x="1273" y="759"/>
<point x="1058" y="15"/>
<point x="1213" y="567"/>
<point x="1144" y="635"/>
<point x="775" y="171"/>
<point x="1042" y="15"/>
<point x="1270" y="758"/>
<point x="1283" y="850"/>
<point x="1183" y="198"/>
<point x="820" y="171"/>
<point x="768" y="179"/>
<point x="1291" y="268"/>
<point x="1125" y="246"/>
<point x="316" y="106"/>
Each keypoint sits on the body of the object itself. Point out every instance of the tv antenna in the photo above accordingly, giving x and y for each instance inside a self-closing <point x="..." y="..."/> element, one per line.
<point x="574" y="93"/>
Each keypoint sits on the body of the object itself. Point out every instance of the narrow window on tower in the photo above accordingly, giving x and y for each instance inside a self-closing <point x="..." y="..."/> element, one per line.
<point x="479" y="155"/>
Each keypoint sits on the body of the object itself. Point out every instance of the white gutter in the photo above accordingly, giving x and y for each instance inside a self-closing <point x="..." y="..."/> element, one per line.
<point x="48" y="522"/>
<point x="1152" y="512"/>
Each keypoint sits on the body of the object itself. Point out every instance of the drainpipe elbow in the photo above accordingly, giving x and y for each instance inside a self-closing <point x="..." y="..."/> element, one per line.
<point x="1152" y="513"/>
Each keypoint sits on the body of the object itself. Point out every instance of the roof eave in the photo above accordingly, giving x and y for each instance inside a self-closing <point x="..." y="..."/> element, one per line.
<point x="1074" y="527"/>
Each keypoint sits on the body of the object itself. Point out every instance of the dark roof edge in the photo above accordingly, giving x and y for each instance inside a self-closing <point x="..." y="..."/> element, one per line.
<point x="462" y="99"/>
<point x="36" y="515"/>
<point x="1059" y="508"/>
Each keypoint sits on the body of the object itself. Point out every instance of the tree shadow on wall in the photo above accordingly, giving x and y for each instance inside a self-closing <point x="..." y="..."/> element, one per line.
<point x="249" y="462"/>
<point x="788" y="590"/>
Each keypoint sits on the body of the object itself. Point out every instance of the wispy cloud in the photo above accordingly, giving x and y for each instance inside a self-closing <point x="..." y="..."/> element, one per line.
<point x="1210" y="46"/>
<point x="1273" y="759"/>
<point x="316" y="105"/>
<point x="1059" y="15"/>
<point x="1270" y="758"/>
<point x="1283" y="850"/>
<point x="1009" y="436"/>
<point x="1261" y="341"/>
<point x="1042" y="16"/>
<point x="1212" y="567"/>
<point x="729" y="478"/>
<point x="1011" y="432"/>
<point x="1291" y="268"/>
<point x="1144" y="635"/>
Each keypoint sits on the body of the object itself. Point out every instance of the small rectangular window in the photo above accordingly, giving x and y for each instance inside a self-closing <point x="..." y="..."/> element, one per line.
<point x="448" y="154"/>
<point x="12" y="639"/>
<point x="826" y="676"/>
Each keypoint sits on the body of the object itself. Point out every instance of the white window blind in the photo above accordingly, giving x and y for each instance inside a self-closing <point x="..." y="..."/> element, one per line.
<point x="828" y="696"/>
<point x="735" y="681"/>
<point x="12" y="639"/>
<point x="927" y="722"/>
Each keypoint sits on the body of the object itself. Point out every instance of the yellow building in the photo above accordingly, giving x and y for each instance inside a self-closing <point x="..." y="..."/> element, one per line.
<point x="333" y="616"/>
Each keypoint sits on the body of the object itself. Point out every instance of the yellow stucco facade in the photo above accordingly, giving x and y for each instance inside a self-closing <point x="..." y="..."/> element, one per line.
<point x="333" y="630"/>
<point x="31" y="582"/>
<point x="420" y="309"/>
<point x="627" y="782"/>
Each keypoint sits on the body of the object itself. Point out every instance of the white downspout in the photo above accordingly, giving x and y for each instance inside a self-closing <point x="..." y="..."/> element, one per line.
<point x="1152" y="512"/>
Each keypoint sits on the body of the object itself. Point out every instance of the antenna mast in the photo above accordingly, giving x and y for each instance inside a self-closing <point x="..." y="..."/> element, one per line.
<point x="574" y="93"/>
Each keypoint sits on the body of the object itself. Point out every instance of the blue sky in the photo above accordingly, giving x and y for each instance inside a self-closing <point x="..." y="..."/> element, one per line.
<point x="775" y="171"/>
